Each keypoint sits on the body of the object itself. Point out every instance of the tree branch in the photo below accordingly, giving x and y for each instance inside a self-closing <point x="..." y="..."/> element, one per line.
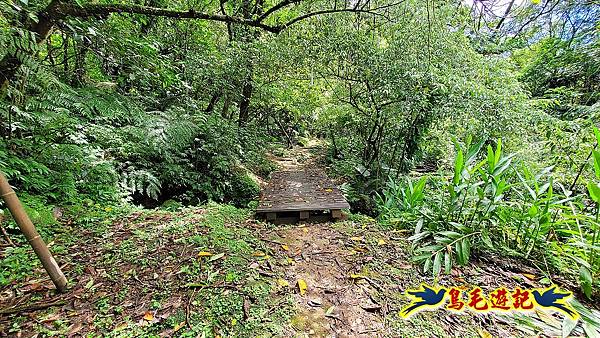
<point x="372" y="11"/>
<point x="275" y="8"/>
<point x="89" y="10"/>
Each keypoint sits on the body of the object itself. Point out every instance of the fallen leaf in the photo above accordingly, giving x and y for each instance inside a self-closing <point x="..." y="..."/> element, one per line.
<point x="204" y="254"/>
<point x="148" y="316"/>
<point x="329" y="311"/>
<point x="528" y="275"/>
<point x="381" y="242"/>
<point x="483" y="333"/>
<point x="358" y="239"/>
<point x="316" y="302"/>
<point x="285" y="247"/>
<point x="178" y="327"/>
<point x="302" y="286"/>
<point x="258" y="254"/>
<point x="282" y="282"/>
<point x="356" y="276"/>
<point x="328" y="190"/>
<point x="370" y="307"/>
<point x="74" y="328"/>
<point x="217" y="256"/>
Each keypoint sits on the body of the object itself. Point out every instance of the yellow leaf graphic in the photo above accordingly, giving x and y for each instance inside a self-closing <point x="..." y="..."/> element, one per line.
<point x="302" y="287"/>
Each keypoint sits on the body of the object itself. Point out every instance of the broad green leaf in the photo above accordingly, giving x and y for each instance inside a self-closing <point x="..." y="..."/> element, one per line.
<point x="447" y="262"/>
<point x="585" y="280"/>
<point x="466" y="247"/>
<point x="568" y="325"/>
<point x="437" y="263"/>
<point x="596" y="162"/>
<point x="594" y="191"/>
<point x="458" y="167"/>
<point x="427" y="264"/>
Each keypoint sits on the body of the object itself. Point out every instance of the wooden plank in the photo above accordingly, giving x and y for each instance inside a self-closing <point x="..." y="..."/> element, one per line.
<point x="301" y="190"/>
<point x="336" y="213"/>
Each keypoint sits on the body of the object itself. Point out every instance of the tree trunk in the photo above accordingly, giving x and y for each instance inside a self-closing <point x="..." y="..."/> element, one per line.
<point x="247" y="89"/>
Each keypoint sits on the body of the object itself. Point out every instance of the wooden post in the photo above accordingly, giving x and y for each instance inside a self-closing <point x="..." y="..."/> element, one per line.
<point x="304" y="215"/>
<point x="33" y="237"/>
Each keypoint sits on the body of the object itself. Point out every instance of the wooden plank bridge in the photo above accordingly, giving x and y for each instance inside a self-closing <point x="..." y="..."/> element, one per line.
<point x="300" y="195"/>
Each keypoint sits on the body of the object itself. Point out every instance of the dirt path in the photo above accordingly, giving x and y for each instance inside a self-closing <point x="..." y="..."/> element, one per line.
<point x="339" y="300"/>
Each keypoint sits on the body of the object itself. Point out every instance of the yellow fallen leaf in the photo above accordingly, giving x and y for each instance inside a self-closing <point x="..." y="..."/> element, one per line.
<point x="285" y="247"/>
<point x="258" y="254"/>
<point x="381" y="242"/>
<point x="302" y="286"/>
<point x="358" y="239"/>
<point x="329" y="190"/>
<point x="528" y="275"/>
<point x="282" y="282"/>
<point x="290" y="261"/>
<point x="483" y="333"/>
<point x="178" y="326"/>
<point x="148" y="316"/>
<point x="356" y="276"/>
<point x="204" y="254"/>
<point x="233" y="322"/>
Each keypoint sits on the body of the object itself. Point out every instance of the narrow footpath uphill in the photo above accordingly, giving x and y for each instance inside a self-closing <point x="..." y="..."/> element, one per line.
<point x="215" y="271"/>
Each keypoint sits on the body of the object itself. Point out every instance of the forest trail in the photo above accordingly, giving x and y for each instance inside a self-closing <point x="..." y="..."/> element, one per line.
<point x="338" y="300"/>
<point x="214" y="271"/>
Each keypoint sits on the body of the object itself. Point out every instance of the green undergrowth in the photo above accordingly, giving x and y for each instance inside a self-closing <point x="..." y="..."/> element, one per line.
<point x="215" y="256"/>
